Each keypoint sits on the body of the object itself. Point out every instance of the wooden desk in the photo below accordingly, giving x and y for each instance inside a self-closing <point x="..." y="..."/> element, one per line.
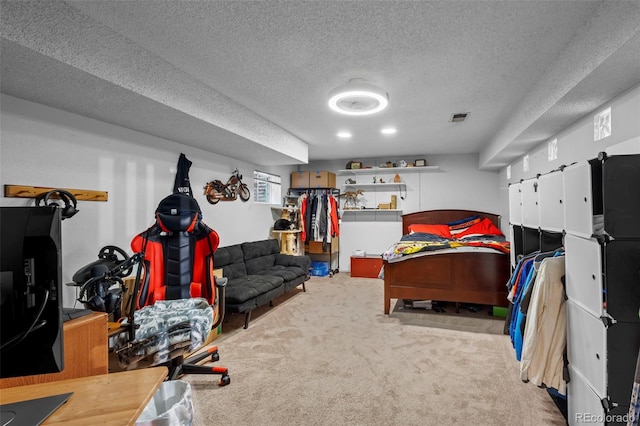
<point x="86" y="352"/>
<point x="108" y="399"/>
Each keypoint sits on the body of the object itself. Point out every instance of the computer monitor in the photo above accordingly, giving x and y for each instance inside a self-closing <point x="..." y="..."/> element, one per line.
<point x="31" y="333"/>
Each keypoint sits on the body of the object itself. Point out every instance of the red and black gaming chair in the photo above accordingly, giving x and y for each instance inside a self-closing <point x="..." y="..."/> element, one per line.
<point x="177" y="263"/>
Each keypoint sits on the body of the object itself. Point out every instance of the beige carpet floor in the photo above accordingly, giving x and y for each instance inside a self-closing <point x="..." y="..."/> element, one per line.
<point x="331" y="357"/>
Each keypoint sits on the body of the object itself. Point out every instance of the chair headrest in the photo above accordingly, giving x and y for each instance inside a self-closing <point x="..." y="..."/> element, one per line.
<point x="178" y="213"/>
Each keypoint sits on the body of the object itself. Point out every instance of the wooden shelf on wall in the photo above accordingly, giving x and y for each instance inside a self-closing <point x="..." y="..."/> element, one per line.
<point x="387" y="170"/>
<point x="22" y="191"/>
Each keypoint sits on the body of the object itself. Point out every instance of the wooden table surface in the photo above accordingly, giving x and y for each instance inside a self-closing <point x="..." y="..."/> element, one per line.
<point x="108" y="399"/>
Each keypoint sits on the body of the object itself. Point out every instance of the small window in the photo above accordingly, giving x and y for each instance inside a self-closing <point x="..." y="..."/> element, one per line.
<point x="267" y="188"/>
<point x="552" y="150"/>
<point x="602" y="125"/>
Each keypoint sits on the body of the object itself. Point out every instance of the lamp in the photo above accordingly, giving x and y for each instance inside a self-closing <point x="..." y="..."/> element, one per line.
<point x="358" y="98"/>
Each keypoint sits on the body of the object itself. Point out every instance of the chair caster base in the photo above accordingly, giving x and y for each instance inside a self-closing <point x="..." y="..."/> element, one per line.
<point x="225" y="380"/>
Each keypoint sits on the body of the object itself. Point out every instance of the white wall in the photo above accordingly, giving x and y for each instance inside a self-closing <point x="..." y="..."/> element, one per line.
<point x="457" y="185"/>
<point x="43" y="146"/>
<point x="576" y="143"/>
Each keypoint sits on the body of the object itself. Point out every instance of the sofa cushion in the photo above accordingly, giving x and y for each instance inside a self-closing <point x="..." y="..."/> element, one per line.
<point x="260" y="255"/>
<point x="288" y="273"/>
<point x="302" y="262"/>
<point x="241" y="289"/>
<point x="230" y="259"/>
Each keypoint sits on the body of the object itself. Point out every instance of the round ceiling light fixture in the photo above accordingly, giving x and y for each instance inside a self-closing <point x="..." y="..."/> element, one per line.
<point x="358" y="98"/>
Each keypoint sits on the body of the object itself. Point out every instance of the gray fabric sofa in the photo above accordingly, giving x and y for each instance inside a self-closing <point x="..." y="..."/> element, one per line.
<point x="257" y="273"/>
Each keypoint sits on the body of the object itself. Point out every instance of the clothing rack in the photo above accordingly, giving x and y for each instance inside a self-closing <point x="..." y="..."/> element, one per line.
<point x="320" y="227"/>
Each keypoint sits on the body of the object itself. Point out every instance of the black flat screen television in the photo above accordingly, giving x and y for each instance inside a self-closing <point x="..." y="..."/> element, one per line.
<point x="31" y="332"/>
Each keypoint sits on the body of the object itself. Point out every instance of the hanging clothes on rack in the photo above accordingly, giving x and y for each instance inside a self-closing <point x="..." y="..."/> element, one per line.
<point x="334" y="215"/>
<point x="321" y="219"/>
<point x="544" y="338"/>
<point x="519" y="279"/>
<point x="320" y="227"/>
<point x="319" y="215"/>
<point x="302" y="208"/>
<point x="533" y="263"/>
<point x="519" y="311"/>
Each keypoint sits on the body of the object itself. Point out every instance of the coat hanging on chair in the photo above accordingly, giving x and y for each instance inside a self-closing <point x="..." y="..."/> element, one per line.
<point x="182" y="183"/>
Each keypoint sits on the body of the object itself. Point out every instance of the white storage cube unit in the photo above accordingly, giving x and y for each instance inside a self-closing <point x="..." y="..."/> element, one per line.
<point x="550" y="199"/>
<point x="530" y="203"/>
<point x="583" y="274"/>
<point x="602" y="196"/>
<point x="601" y="361"/>
<point x="515" y="204"/>
<point x="587" y="347"/>
<point x="583" y="405"/>
<point x="578" y="200"/>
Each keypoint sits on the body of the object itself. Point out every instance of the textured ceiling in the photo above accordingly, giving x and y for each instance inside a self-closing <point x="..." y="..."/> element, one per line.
<point x="249" y="79"/>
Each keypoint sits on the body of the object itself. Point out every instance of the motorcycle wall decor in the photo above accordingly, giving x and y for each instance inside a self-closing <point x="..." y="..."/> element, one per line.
<point x="217" y="191"/>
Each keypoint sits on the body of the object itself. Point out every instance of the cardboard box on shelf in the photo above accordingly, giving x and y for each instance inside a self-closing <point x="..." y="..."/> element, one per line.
<point x="300" y="179"/>
<point x="322" y="179"/>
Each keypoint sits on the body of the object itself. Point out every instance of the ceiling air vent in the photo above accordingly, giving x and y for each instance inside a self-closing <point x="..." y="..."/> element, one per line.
<point x="459" y="117"/>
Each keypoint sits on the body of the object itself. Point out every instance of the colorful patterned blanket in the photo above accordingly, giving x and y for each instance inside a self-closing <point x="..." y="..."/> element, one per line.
<point x="421" y="242"/>
<point x="164" y="328"/>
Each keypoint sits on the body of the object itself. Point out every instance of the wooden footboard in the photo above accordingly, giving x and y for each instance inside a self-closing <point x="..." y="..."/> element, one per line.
<point x="454" y="277"/>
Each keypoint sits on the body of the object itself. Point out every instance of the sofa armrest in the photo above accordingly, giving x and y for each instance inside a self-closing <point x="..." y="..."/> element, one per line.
<point x="303" y="262"/>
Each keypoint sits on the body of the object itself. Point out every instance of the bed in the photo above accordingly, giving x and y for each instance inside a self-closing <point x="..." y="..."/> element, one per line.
<point x="475" y="275"/>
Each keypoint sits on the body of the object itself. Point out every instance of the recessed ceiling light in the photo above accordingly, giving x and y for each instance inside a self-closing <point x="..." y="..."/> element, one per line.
<point x="358" y="98"/>
<point x="388" y="131"/>
<point x="343" y="135"/>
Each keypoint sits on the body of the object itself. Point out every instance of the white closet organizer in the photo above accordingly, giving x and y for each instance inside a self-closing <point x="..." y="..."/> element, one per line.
<point x="530" y="205"/>
<point x="593" y="209"/>
<point x="515" y="204"/>
<point x="550" y="201"/>
<point x="525" y="232"/>
<point x="602" y="207"/>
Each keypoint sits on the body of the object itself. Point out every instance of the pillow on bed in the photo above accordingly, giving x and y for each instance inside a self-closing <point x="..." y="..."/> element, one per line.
<point x="484" y="227"/>
<point x="440" y="230"/>
<point x="462" y="224"/>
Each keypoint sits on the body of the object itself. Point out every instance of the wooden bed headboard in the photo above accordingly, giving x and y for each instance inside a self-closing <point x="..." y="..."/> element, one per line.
<point x="443" y="216"/>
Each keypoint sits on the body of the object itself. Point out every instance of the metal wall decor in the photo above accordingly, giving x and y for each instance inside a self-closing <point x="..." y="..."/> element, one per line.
<point x="217" y="191"/>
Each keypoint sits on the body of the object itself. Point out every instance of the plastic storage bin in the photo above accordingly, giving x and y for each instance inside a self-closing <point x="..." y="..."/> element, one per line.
<point x="319" y="269"/>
